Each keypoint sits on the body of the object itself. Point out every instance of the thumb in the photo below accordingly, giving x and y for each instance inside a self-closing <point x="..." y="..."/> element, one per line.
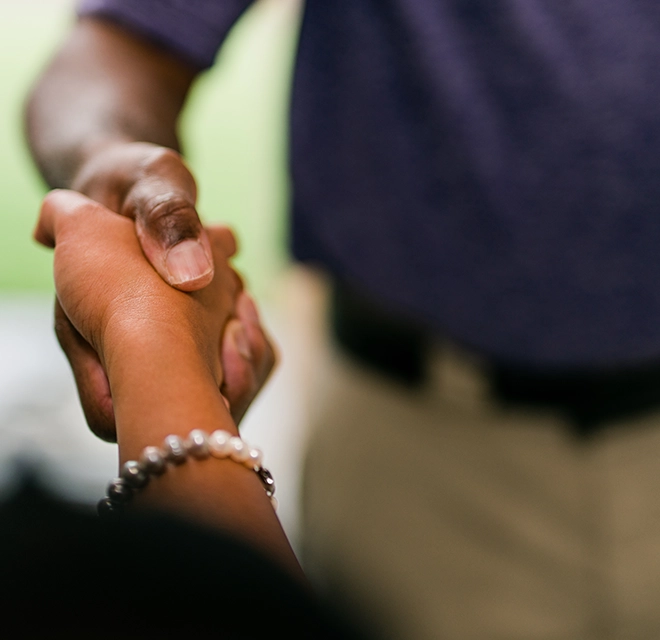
<point x="153" y="186"/>
<point x="162" y="203"/>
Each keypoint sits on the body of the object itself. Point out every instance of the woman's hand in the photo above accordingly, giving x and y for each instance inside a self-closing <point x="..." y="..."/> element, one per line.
<point x="109" y="297"/>
<point x="106" y="288"/>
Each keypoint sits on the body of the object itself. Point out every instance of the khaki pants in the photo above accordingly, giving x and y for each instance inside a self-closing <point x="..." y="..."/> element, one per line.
<point x="438" y="513"/>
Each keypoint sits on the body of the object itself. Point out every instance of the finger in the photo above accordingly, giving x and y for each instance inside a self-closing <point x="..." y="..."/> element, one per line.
<point x="261" y="346"/>
<point x="58" y="206"/>
<point x="162" y="203"/>
<point x="224" y="246"/>
<point x="240" y="384"/>
<point x="91" y="380"/>
<point x="222" y="238"/>
<point x="247" y="358"/>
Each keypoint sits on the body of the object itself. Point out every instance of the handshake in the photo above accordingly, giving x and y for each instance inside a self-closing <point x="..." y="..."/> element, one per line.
<point x="161" y="337"/>
<point x="152" y="362"/>
<point x="116" y="316"/>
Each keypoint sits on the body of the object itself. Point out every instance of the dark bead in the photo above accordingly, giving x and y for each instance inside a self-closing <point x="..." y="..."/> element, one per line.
<point x="119" y="491"/>
<point x="108" y="510"/>
<point x="267" y="480"/>
<point x="152" y="461"/>
<point x="134" y="475"/>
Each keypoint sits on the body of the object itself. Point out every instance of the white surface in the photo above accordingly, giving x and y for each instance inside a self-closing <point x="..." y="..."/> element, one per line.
<point x="41" y="422"/>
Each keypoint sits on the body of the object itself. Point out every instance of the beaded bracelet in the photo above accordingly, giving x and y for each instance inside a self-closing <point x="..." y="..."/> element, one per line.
<point x="135" y="475"/>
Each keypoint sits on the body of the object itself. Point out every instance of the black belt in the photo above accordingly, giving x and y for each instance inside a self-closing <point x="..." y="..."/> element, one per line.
<point x="590" y="399"/>
<point x="396" y="347"/>
<point x="377" y="337"/>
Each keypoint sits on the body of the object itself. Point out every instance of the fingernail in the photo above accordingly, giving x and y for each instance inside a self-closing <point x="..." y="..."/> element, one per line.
<point x="240" y="340"/>
<point x="187" y="261"/>
<point x="247" y="310"/>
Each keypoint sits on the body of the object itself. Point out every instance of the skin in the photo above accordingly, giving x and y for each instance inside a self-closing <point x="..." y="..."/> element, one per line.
<point x="161" y="349"/>
<point x="102" y="120"/>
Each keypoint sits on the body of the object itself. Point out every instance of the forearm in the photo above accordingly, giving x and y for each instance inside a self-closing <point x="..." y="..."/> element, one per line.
<point x="104" y="86"/>
<point x="160" y="391"/>
<point x="102" y="120"/>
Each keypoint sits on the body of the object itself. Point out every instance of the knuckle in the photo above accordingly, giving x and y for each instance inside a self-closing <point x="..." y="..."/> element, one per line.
<point x="171" y="217"/>
<point x="162" y="198"/>
<point x="165" y="163"/>
<point x="167" y="205"/>
<point x="161" y="157"/>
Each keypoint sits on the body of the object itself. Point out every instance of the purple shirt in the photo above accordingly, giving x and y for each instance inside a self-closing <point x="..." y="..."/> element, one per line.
<point x="490" y="166"/>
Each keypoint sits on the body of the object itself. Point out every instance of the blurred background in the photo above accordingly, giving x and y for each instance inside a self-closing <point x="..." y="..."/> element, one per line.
<point x="234" y="132"/>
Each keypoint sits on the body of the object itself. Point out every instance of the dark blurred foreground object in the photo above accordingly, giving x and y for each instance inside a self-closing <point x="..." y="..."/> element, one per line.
<point x="62" y="570"/>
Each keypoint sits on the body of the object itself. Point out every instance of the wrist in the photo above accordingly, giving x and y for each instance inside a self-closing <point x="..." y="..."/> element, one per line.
<point x="162" y="384"/>
<point x="92" y="163"/>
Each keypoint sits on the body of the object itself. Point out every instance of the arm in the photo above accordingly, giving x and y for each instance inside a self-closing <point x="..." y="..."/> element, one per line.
<point x="102" y="120"/>
<point x="161" y="350"/>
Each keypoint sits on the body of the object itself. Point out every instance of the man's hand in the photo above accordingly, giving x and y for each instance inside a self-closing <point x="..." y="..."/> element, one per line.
<point x="106" y="288"/>
<point x="102" y="120"/>
<point x="151" y="185"/>
<point x="247" y="357"/>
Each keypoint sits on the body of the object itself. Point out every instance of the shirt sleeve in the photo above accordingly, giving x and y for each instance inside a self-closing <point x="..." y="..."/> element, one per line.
<point x="191" y="29"/>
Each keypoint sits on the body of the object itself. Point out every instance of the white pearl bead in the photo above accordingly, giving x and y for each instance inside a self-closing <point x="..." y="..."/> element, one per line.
<point x="255" y="458"/>
<point x="240" y="451"/>
<point x="220" y="444"/>
<point x="152" y="461"/>
<point x="197" y="444"/>
<point x="135" y="476"/>
<point x="173" y="449"/>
